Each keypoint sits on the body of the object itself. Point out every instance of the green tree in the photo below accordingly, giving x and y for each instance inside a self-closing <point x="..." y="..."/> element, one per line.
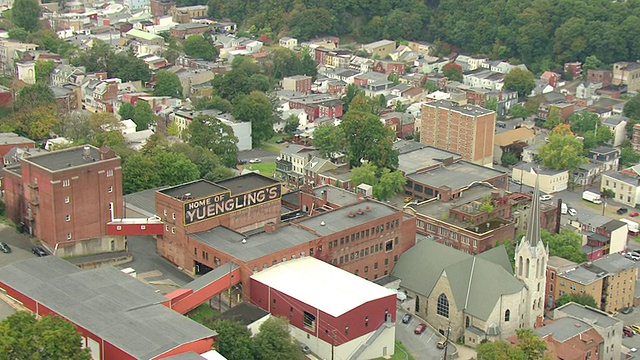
<point x="591" y="62"/>
<point x="491" y="104"/>
<point x="142" y="171"/>
<point x="167" y="84"/>
<point x="256" y="108"/>
<point x="329" y="140"/>
<point x="487" y="205"/>
<point x="18" y="33"/>
<point x="367" y="138"/>
<point x="274" y="342"/>
<point x="199" y="47"/>
<point x="562" y="152"/>
<point x="509" y="158"/>
<point x="233" y="341"/>
<point x="215" y="136"/>
<point x="33" y="96"/>
<point x="352" y="91"/>
<point x="566" y="244"/>
<point x="126" y="111"/>
<point x="521" y="81"/>
<point x="311" y="22"/>
<point x="139" y="173"/>
<point x="26" y="14"/>
<point x="582" y="299"/>
<point x="284" y="62"/>
<point x="219" y="173"/>
<point x="214" y="102"/>
<point x="38" y="122"/>
<point x="528" y="347"/>
<point x="390" y="183"/>
<point x="43" y="70"/>
<point x="308" y="65"/>
<point x="291" y="124"/>
<point x="175" y="168"/>
<point x="631" y="108"/>
<point x="143" y="115"/>
<point x="394" y="78"/>
<point x="584" y="122"/>
<point x="51" y="337"/>
<point x="452" y="71"/>
<point x="519" y="111"/>
<point x="364" y="174"/>
<point x="628" y="157"/>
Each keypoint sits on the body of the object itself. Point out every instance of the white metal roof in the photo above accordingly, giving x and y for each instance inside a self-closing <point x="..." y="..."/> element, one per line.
<point x="321" y="285"/>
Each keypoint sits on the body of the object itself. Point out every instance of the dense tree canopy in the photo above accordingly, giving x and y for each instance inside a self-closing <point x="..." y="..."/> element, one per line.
<point x="256" y="108"/>
<point x="123" y="65"/>
<point x="521" y="81"/>
<point x="22" y="336"/>
<point x="583" y="299"/>
<point x="562" y="152"/>
<point x="528" y="347"/>
<point x="200" y="47"/>
<point x="566" y="244"/>
<point x="167" y="84"/>
<point x="26" y="14"/>
<point x="215" y="136"/>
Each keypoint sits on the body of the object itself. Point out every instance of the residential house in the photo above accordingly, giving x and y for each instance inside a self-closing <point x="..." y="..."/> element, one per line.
<point x="8" y="49"/>
<point x="100" y="95"/>
<point x="67" y="74"/>
<point x="617" y="124"/>
<point x="565" y="110"/>
<point x="404" y="54"/>
<point x="609" y="327"/>
<point x="502" y="67"/>
<point x="569" y="339"/>
<point x="373" y="83"/>
<point x="574" y="69"/>
<point x="555" y="266"/>
<point x="420" y="47"/>
<point x="299" y="83"/>
<point x="430" y="64"/>
<point x="288" y="42"/>
<point x="161" y="7"/>
<point x="483" y="78"/>
<point x="346" y="75"/>
<point x="588" y="90"/>
<point x="192" y="78"/>
<point x="360" y="64"/>
<point x="401" y="123"/>
<point x="68" y="96"/>
<point x="291" y="162"/>
<point x="389" y="67"/>
<point x="318" y="105"/>
<point x="605" y="157"/>
<point x="26" y="72"/>
<point x="611" y="237"/>
<point x="551" y="78"/>
<point x="627" y="73"/>
<point x="635" y="138"/>
<point x="551" y="181"/>
<point x="10" y="140"/>
<point x="17" y="153"/>
<point x="604" y="77"/>
<point x="379" y="49"/>
<point x="144" y="37"/>
<point x="624" y="184"/>
<point x="314" y="167"/>
<point x="513" y="140"/>
<point x="184" y="30"/>
<point x="241" y="129"/>
<point x="185" y="14"/>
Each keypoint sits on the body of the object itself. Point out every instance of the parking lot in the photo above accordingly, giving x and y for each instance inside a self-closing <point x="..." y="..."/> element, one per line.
<point x="422" y="346"/>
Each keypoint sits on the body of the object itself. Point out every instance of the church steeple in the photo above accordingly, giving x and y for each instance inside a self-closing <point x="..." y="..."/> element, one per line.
<point x="533" y="228"/>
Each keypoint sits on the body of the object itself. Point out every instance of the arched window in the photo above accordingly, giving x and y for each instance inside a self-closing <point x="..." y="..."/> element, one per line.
<point x="538" y="268"/>
<point x="417" y="308"/>
<point x="527" y="265"/>
<point x="520" y="266"/>
<point x="467" y="322"/>
<point x="507" y="315"/>
<point x="443" y="305"/>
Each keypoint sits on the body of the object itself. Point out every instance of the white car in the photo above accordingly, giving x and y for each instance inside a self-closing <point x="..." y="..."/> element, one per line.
<point x="572" y="212"/>
<point x="254" y="161"/>
<point x="545" y="197"/>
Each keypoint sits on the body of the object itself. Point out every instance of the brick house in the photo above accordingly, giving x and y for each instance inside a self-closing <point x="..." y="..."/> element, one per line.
<point x="181" y="31"/>
<point x="389" y="67"/>
<point x="573" y="68"/>
<point x="605" y="77"/>
<point x="299" y="83"/>
<point x="317" y="106"/>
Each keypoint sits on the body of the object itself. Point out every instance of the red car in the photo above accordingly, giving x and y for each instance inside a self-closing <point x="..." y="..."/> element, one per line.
<point x="420" y="329"/>
<point x="627" y="332"/>
<point x="634" y="214"/>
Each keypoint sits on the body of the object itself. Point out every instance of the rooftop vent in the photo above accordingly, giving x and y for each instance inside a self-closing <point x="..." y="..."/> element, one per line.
<point x="351" y="214"/>
<point x="244" y="241"/>
<point x="360" y="212"/>
<point x="322" y="223"/>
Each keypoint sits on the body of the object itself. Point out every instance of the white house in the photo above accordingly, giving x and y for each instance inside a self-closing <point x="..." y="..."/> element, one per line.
<point x="617" y="124"/>
<point x="288" y="42"/>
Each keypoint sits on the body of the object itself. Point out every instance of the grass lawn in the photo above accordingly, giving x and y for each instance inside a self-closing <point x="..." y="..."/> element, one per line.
<point x="266" y="169"/>
<point x="202" y="312"/>
<point x="401" y="353"/>
<point x="271" y="145"/>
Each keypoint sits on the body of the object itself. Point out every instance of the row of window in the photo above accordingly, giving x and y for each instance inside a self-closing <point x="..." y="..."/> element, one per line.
<point x="364" y="234"/>
<point x="67" y="182"/>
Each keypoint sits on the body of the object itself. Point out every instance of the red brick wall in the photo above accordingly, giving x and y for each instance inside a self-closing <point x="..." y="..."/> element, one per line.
<point x="88" y="217"/>
<point x="5" y="148"/>
<point x="15" y="207"/>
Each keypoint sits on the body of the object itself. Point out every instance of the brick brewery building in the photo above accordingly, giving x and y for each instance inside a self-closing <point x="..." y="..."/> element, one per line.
<point x="238" y="220"/>
<point x="464" y="129"/>
<point x="66" y="198"/>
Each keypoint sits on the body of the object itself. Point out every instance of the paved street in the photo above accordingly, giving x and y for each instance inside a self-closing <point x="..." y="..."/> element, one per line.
<point x="262" y="154"/>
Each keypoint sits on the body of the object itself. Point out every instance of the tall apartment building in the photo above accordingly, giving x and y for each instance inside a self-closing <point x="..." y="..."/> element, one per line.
<point x="467" y="130"/>
<point x="66" y="198"/>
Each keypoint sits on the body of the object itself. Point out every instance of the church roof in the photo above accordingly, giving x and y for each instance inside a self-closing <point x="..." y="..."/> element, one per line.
<point x="477" y="282"/>
<point x="533" y="227"/>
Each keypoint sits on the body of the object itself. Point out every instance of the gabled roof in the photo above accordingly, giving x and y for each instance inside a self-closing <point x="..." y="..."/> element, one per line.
<point x="477" y="282"/>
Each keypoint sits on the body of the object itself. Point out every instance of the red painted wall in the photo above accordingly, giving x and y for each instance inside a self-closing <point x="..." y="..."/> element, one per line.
<point x="357" y="322"/>
<point x="135" y="229"/>
<point x="183" y="304"/>
<point x="111" y="352"/>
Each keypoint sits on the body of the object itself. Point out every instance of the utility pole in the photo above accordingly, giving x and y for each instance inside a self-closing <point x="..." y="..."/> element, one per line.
<point x="446" y="343"/>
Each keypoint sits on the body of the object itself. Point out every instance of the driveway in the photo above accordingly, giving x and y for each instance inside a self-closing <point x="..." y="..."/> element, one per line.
<point x="423" y="346"/>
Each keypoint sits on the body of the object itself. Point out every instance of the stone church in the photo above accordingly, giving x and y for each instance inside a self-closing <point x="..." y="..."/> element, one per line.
<point x="477" y="297"/>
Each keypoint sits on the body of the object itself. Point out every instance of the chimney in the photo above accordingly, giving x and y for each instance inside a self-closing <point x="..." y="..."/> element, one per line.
<point x="325" y="195"/>
<point x="86" y="152"/>
<point x="270" y="227"/>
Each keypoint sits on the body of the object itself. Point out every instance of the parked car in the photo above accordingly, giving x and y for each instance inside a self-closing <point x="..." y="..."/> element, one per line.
<point x="242" y="161"/>
<point x="632" y="256"/>
<point x="621" y="211"/>
<point x="38" y="251"/>
<point x="255" y="161"/>
<point x="406" y="318"/>
<point x="634" y="214"/>
<point x="420" y="328"/>
<point x="280" y="141"/>
<point x="442" y="344"/>
<point x="626" y="331"/>
<point x="305" y="349"/>
<point x="572" y="212"/>
<point x="545" y="197"/>
<point x="635" y="328"/>
<point x="627" y="310"/>
<point x="5" y="248"/>
<point x="407" y="199"/>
